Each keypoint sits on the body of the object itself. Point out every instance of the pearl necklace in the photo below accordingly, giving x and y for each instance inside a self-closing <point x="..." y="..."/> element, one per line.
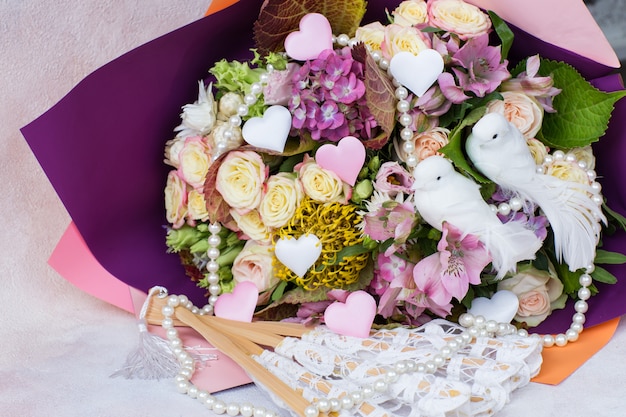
<point x="475" y="327"/>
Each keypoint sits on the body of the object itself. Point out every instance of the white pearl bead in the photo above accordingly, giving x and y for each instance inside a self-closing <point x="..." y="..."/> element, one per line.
<point x="213" y="253"/>
<point x="171" y="334"/>
<point x="439" y="360"/>
<point x="577" y="327"/>
<point x="192" y="391"/>
<point x="406" y="134"/>
<point x="219" y="407"/>
<point x="504" y="209"/>
<point x="391" y="376"/>
<point x="173" y="301"/>
<point x="581" y="306"/>
<point x="180" y="378"/>
<point x="242" y="110"/>
<point x="167" y="310"/>
<point x="259" y="412"/>
<point x="405" y="119"/>
<point x="234" y="120"/>
<point x="213" y="299"/>
<point x="212" y="266"/>
<point x="400" y="367"/>
<point x="540" y="169"/>
<point x="473" y="331"/>
<point x="210" y="401"/>
<point x="570" y="158"/>
<point x="548" y="159"/>
<point x="367" y="391"/>
<point x="335" y="404"/>
<point x="256" y="88"/>
<point x="215" y="240"/>
<point x="466" y="320"/>
<point x="493" y="208"/>
<point x="249" y="99"/>
<point x="269" y="68"/>
<point x="516" y="204"/>
<point x="582" y="164"/>
<point x="311" y="411"/>
<point x="202" y="395"/>
<point x="491" y="326"/>
<point x="383" y="64"/>
<point x="411" y="366"/>
<point x="421" y="368"/>
<point x="596" y="187"/>
<point x="182" y="386"/>
<point x="548" y="340"/>
<point x="408" y="147"/>
<point x="215" y="289"/>
<point x="401" y="93"/>
<point x="559" y="155"/>
<point x="246" y="409"/>
<point x="446" y="352"/>
<point x="357" y="396"/>
<point x="430" y="367"/>
<point x="522" y="333"/>
<point x="186" y="373"/>
<point x="380" y="385"/>
<point x="343" y="39"/>
<point x="584" y="293"/>
<point x="213" y="278"/>
<point x="479" y="321"/>
<point x="572" y="335"/>
<point x="403" y="106"/>
<point x="323" y="405"/>
<point x="560" y="339"/>
<point x="376" y="56"/>
<point x="411" y="161"/>
<point x="207" y="309"/>
<point x="167" y="323"/>
<point x="346" y="402"/>
<point x="585" y="279"/>
<point x="591" y="174"/>
<point x="215" y="228"/>
<point x="264" y="78"/>
<point x="597" y="199"/>
<point x="579" y="318"/>
<point x="221" y="147"/>
<point x="232" y="409"/>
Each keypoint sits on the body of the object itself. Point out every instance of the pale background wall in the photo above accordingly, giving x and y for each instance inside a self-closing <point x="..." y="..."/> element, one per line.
<point x="57" y="344"/>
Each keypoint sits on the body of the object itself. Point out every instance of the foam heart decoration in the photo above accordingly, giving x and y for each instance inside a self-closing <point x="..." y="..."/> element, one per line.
<point x="345" y="159"/>
<point x="298" y="254"/>
<point x="314" y="36"/>
<point x="417" y="73"/>
<point x="501" y="308"/>
<point x="238" y="305"/>
<point x="352" y="318"/>
<point x="270" y="131"/>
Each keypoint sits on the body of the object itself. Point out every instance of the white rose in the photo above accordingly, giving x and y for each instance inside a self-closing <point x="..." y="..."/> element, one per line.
<point x="172" y="150"/>
<point x="537" y="149"/>
<point x="410" y="13"/>
<point x="456" y="16"/>
<point x="568" y="171"/>
<point x="403" y="39"/>
<point x="538" y="291"/>
<point x="585" y="155"/>
<point x="283" y="193"/>
<point x="240" y="180"/>
<point x="255" y="264"/>
<point x="521" y="110"/>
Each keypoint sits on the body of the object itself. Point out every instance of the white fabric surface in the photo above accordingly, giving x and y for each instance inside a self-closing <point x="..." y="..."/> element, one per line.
<point x="58" y="345"/>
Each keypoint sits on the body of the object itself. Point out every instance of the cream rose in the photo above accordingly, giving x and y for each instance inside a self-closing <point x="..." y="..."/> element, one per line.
<point x="255" y="264"/>
<point x="410" y="13"/>
<point x="456" y="16"/>
<point x="568" y="171"/>
<point x="194" y="161"/>
<point x="403" y="39"/>
<point x="372" y="35"/>
<point x="175" y="200"/>
<point x="283" y="193"/>
<point x="240" y="180"/>
<point x="538" y="291"/>
<point x="537" y="149"/>
<point x="218" y="135"/>
<point x="172" y="150"/>
<point x="321" y="185"/>
<point x="521" y="110"/>
<point x="229" y="104"/>
<point x="252" y="226"/>
<point x="196" y="206"/>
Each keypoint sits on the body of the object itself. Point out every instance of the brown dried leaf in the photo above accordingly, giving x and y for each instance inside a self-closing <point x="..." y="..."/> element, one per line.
<point x="217" y="208"/>
<point x="278" y="18"/>
<point x="380" y="95"/>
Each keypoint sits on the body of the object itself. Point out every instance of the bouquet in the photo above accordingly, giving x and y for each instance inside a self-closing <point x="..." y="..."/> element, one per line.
<point x="408" y="158"/>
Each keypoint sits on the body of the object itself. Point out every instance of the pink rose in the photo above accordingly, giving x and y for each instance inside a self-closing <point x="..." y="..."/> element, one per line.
<point x="194" y="161"/>
<point x="392" y="179"/>
<point x="278" y="88"/>
<point x="175" y="200"/>
<point x="254" y="264"/>
<point x="425" y="144"/>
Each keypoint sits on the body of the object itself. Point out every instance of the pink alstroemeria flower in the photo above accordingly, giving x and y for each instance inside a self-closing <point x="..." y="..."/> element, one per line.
<point x="447" y="273"/>
<point x="392" y="179"/>
<point x="393" y="282"/>
<point x="527" y="82"/>
<point x="393" y="220"/>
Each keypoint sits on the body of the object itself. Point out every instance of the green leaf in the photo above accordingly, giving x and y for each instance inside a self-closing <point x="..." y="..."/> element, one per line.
<point x="348" y="251"/>
<point x="278" y="18"/>
<point x="570" y="279"/>
<point x="618" y="218"/>
<point x="602" y="275"/>
<point x="583" y="112"/>
<point x="504" y="33"/>
<point x="611" y="258"/>
<point x="279" y="290"/>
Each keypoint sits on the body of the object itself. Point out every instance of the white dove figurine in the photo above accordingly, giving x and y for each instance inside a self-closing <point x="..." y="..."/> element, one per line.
<point x="442" y="194"/>
<point x="498" y="150"/>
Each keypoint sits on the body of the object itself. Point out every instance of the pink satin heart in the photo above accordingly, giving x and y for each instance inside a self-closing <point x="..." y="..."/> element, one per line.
<point x="314" y="36"/>
<point x="346" y="159"/>
<point x="238" y="305"/>
<point x="352" y="318"/>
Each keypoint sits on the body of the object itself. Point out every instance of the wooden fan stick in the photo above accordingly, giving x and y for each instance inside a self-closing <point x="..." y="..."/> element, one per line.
<point x="230" y="345"/>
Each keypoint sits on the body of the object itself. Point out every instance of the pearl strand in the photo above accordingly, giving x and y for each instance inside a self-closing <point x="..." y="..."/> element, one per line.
<point x="474" y="327"/>
<point x="213" y="266"/>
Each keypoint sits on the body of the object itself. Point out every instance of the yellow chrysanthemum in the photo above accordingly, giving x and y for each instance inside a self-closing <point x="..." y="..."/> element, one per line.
<point x="335" y="226"/>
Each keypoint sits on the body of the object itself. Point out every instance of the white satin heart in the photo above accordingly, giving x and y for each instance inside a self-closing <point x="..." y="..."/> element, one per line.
<point x="502" y="307"/>
<point x="417" y="73"/>
<point x="298" y="254"/>
<point x="270" y="131"/>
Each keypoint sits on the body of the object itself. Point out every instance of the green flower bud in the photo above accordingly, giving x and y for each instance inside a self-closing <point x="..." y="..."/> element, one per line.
<point x="184" y="238"/>
<point x="362" y="190"/>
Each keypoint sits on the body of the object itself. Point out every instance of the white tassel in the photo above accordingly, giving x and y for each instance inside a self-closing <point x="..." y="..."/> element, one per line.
<point x="153" y="358"/>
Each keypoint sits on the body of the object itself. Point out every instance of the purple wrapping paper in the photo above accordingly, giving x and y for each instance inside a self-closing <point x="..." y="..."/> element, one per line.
<point x="102" y="146"/>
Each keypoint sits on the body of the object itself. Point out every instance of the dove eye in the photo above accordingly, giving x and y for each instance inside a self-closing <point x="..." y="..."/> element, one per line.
<point x="495" y="136"/>
<point x="439" y="177"/>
